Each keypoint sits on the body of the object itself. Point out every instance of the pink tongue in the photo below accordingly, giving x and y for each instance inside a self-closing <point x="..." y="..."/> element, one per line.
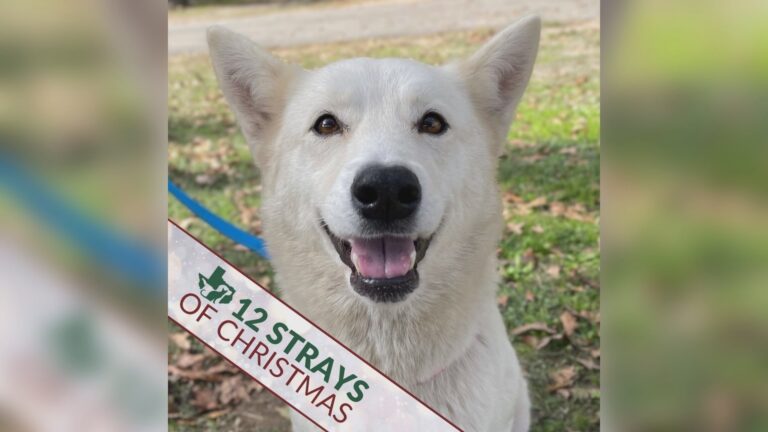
<point x="385" y="257"/>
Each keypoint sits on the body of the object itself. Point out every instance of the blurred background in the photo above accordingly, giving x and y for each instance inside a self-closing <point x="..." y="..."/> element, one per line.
<point x="685" y="239"/>
<point x="549" y="293"/>
<point x="82" y="208"/>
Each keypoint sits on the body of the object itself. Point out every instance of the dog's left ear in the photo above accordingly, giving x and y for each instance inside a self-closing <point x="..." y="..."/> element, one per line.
<point x="498" y="73"/>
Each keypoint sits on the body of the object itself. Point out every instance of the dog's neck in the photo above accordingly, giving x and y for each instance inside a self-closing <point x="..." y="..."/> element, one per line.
<point x="409" y="341"/>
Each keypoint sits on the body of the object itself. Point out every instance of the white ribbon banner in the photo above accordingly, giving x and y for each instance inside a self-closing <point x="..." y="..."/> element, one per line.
<point x="276" y="346"/>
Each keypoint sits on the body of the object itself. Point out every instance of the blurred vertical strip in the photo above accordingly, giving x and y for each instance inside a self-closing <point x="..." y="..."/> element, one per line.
<point x="685" y="216"/>
<point x="82" y="215"/>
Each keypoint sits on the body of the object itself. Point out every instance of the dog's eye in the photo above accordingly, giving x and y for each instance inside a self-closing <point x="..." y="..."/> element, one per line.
<point x="326" y="124"/>
<point x="432" y="123"/>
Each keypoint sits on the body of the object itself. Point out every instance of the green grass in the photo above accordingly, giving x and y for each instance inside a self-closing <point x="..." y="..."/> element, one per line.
<point x="550" y="258"/>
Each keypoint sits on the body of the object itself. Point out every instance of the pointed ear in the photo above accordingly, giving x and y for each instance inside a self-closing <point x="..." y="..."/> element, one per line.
<point x="498" y="73"/>
<point x="254" y="84"/>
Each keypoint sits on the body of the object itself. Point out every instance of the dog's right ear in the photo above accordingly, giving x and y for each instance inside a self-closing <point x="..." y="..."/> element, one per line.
<point x="498" y="72"/>
<point x="254" y="83"/>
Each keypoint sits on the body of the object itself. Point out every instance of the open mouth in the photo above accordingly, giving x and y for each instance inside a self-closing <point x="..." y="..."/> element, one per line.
<point x="384" y="268"/>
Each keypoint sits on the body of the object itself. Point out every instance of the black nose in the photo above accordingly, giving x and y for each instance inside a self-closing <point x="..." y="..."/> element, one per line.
<point x="386" y="193"/>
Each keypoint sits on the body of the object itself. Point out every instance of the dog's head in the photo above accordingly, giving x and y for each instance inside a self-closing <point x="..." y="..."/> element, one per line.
<point x="386" y="166"/>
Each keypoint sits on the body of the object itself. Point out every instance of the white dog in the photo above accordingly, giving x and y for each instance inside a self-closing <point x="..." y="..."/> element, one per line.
<point x="382" y="213"/>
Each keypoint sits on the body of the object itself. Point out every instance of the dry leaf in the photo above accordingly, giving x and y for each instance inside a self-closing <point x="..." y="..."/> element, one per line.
<point x="546" y="340"/>
<point x="204" y="399"/>
<point x="264" y="281"/>
<point x="553" y="271"/>
<point x="193" y="375"/>
<point x="284" y="411"/>
<point x="538" y="229"/>
<point x="562" y="378"/>
<point x="557" y="208"/>
<point x="233" y="389"/>
<point x="543" y="343"/>
<point x="186" y="360"/>
<point x="593" y="317"/>
<point x="512" y="198"/>
<point x="530" y="340"/>
<point x="222" y="367"/>
<point x="538" y="202"/>
<point x="578" y="213"/>
<point x="532" y="158"/>
<point x="525" y="328"/>
<point x="588" y="363"/>
<point x="506" y="213"/>
<point x="502" y="300"/>
<point x="217" y="413"/>
<point x="204" y="179"/>
<point x="529" y="296"/>
<point x="520" y="210"/>
<point x="181" y="340"/>
<point x="515" y="228"/>
<point x="569" y="322"/>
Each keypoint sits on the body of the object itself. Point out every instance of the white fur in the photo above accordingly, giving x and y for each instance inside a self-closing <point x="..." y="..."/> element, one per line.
<point x="446" y="341"/>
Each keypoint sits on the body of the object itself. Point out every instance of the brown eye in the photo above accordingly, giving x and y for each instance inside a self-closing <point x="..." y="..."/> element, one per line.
<point x="326" y="124"/>
<point x="432" y="123"/>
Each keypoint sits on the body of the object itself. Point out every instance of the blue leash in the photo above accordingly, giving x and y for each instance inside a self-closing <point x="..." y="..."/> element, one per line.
<point x="118" y="252"/>
<point x="228" y="230"/>
<point x="128" y="258"/>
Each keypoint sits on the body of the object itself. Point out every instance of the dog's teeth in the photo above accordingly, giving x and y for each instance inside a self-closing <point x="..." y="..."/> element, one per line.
<point x="413" y="258"/>
<point x="355" y="260"/>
